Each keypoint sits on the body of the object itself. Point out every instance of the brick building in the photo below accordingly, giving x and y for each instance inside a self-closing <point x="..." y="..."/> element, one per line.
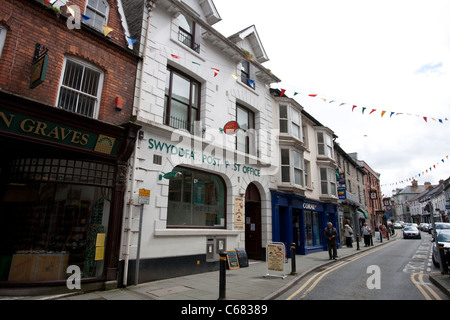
<point x="67" y="80"/>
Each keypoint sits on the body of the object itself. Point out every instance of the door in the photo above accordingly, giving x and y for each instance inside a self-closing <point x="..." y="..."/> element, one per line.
<point x="253" y="239"/>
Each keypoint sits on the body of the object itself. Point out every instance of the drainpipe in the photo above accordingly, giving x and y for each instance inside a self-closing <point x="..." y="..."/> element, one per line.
<point x="150" y="4"/>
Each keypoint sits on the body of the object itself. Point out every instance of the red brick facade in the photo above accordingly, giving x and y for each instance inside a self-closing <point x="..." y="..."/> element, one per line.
<point x="29" y="22"/>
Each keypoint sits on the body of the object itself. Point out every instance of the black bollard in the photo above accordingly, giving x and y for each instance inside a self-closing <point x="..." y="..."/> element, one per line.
<point x="293" y="267"/>
<point x="357" y="241"/>
<point x="371" y="239"/>
<point x="443" y="260"/>
<point x="222" y="276"/>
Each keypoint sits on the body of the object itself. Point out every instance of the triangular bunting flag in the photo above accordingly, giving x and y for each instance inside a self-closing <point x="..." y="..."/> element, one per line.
<point x="86" y="18"/>
<point x="382" y="113"/>
<point x="312" y="95"/>
<point x="72" y="12"/>
<point x="373" y="110"/>
<point x="251" y="83"/>
<point x="234" y="76"/>
<point x="282" y="92"/>
<point x="131" y="41"/>
<point x="175" y="56"/>
<point x="353" y="108"/>
<point x="425" y="118"/>
<point x="107" y="30"/>
<point x="196" y="63"/>
<point x="216" y="71"/>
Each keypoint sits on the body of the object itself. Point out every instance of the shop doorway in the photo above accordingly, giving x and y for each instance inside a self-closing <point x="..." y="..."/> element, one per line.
<point x="253" y="238"/>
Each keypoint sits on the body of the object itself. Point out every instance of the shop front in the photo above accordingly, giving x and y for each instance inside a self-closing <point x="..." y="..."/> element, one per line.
<point x="61" y="196"/>
<point x="297" y="219"/>
<point x="202" y="200"/>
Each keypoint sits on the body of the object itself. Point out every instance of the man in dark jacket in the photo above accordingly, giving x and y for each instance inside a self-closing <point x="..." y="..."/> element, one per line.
<point x="331" y="236"/>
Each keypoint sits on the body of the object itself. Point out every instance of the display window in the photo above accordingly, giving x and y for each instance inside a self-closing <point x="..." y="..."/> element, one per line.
<point x="54" y="213"/>
<point x="196" y="199"/>
<point x="312" y="229"/>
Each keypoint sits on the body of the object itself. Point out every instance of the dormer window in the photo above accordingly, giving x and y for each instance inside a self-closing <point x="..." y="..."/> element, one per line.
<point x="186" y="33"/>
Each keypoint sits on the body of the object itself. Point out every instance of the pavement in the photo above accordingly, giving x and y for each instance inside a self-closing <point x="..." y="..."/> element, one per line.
<point x="249" y="283"/>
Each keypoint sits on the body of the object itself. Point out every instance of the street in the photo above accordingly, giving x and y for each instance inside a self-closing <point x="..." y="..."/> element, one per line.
<point x="399" y="270"/>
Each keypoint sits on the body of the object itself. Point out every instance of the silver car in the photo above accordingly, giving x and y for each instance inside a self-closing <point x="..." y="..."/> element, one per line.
<point x="443" y="236"/>
<point x="411" y="232"/>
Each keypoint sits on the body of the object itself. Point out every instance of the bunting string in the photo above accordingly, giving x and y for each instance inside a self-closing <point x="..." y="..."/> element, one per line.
<point x="418" y="175"/>
<point x="364" y="109"/>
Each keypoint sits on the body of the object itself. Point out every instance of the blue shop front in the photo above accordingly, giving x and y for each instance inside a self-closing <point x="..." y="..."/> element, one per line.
<point x="297" y="219"/>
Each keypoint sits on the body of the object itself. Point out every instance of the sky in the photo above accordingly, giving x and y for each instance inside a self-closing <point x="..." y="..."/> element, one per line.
<point x="391" y="56"/>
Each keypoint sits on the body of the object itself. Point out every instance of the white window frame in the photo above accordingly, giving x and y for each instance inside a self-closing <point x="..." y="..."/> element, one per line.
<point x="98" y="14"/>
<point x="327" y="145"/>
<point x="329" y="182"/>
<point x="3" y="32"/>
<point x="99" y="89"/>
<point x="291" y="124"/>
<point x="293" y="167"/>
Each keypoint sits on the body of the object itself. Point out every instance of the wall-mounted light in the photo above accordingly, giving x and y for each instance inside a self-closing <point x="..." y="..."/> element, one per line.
<point x="141" y="135"/>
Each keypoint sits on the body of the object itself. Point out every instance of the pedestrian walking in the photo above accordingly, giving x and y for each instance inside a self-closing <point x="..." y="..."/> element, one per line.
<point x="367" y="233"/>
<point x="331" y="236"/>
<point x="348" y="233"/>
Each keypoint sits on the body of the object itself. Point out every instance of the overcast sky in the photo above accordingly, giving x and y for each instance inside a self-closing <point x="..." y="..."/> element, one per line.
<point x="391" y="56"/>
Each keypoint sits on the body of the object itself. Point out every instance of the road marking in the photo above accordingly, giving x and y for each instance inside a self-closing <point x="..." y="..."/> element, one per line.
<point x="420" y="283"/>
<point x="328" y="270"/>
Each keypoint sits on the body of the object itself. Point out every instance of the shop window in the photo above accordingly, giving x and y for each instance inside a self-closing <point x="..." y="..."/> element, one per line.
<point x="197" y="199"/>
<point x="54" y="213"/>
<point x="81" y="87"/>
<point x="182" y="101"/>
<point x="98" y="11"/>
<point x="312" y="229"/>
<point x="245" y="136"/>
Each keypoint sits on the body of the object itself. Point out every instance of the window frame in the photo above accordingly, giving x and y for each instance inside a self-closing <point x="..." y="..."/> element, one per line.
<point x="330" y="181"/>
<point x="85" y="65"/>
<point x="3" y="32"/>
<point x="289" y="121"/>
<point x="188" y="37"/>
<point x="105" y="15"/>
<point x="248" y="132"/>
<point x="168" y="99"/>
<point x="192" y="202"/>
<point x="291" y="167"/>
<point x="327" y="143"/>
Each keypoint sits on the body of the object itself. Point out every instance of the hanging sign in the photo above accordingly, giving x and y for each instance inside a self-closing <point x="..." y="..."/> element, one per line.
<point x="230" y="127"/>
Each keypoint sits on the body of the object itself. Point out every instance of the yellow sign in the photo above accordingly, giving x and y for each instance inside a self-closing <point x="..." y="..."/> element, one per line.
<point x="144" y="196"/>
<point x="100" y="246"/>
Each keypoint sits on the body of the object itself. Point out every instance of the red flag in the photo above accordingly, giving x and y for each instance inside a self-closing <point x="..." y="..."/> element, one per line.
<point x="216" y="71"/>
<point x="373" y="110"/>
<point x="282" y="92"/>
<point x="353" y="108"/>
<point x="313" y="95"/>
<point x="425" y="118"/>
<point x="174" y="56"/>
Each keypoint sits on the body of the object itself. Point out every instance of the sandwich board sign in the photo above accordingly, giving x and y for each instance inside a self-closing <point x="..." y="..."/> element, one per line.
<point x="276" y="253"/>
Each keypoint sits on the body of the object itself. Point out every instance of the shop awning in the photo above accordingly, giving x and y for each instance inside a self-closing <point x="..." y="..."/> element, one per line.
<point x="363" y="214"/>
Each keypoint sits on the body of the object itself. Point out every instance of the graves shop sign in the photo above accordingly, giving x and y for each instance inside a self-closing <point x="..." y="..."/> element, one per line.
<point x="49" y="131"/>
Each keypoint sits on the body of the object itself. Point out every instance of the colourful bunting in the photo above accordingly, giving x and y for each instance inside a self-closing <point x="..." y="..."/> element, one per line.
<point x="235" y="76"/>
<point x="251" y="83"/>
<point x="420" y="174"/>
<point x="175" y="56"/>
<point x="282" y="92"/>
<point x="86" y="18"/>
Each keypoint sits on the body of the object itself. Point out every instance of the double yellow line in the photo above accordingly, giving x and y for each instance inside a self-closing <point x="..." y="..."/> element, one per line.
<point x="321" y="275"/>
<point x="421" y="284"/>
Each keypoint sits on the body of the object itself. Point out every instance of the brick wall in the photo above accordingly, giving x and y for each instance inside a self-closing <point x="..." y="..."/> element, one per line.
<point x="29" y="22"/>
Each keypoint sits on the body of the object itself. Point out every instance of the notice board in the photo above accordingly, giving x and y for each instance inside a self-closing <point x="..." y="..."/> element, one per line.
<point x="232" y="259"/>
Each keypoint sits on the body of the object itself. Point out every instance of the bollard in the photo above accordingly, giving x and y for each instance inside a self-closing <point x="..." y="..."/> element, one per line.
<point x="222" y="276"/>
<point x="371" y="239"/>
<point x="293" y="267"/>
<point x="443" y="260"/>
<point x="357" y="241"/>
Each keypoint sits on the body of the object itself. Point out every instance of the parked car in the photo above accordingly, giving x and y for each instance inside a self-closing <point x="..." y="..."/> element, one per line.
<point x="439" y="225"/>
<point x="411" y="232"/>
<point x="442" y="237"/>
<point x="423" y="226"/>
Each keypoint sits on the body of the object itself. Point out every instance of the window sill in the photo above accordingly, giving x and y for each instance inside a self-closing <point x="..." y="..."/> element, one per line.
<point x="195" y="232"/>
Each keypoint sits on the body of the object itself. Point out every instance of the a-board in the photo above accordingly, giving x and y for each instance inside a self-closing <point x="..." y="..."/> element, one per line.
<point x="232" y="259"/>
